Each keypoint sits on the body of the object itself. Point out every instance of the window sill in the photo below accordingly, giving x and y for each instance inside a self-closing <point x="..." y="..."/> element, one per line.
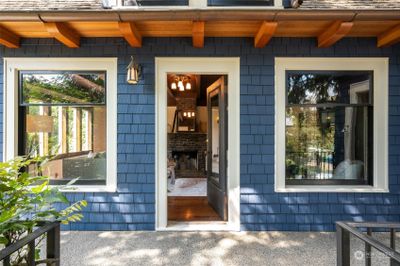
<point x="334" y="189"/>
<point x="75" y="189"/>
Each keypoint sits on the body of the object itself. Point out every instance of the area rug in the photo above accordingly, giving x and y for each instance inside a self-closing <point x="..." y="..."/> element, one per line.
<point x="188" y="187"/>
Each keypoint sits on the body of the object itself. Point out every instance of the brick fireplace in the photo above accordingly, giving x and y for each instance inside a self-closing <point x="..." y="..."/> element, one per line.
<point x="189" y="150"/>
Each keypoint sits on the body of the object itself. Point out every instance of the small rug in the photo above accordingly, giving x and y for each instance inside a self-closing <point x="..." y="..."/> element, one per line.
<point x="188" y="187"/>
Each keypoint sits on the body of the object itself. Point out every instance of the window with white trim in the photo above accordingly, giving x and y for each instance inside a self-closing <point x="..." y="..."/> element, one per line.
<point x="331" y="124"/>
<point x="64" y="112"/>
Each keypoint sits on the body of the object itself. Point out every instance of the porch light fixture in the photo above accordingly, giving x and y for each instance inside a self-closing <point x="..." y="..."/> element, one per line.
<point x="134" y="72"/>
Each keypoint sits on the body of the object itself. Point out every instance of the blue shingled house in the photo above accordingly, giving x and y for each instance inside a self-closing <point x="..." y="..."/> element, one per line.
<point x="208" y="114"/>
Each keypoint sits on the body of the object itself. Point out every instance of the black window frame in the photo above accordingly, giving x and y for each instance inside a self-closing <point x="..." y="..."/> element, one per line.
<point x="254" y="3"/>
<point x="327" y="182"/>
<point x="146" y="3"/>
<point x="21" y="123"/>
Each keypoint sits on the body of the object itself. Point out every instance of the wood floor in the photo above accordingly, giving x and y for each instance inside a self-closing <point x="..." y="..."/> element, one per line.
<point x="191" y="209"/>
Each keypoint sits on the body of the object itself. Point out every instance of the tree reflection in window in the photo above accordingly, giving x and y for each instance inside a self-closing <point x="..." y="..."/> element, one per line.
<point x="328" y="127"/>
<point x="63" y="117"/>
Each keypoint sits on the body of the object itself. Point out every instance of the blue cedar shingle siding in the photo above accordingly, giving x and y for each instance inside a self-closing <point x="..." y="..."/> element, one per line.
<point x="133" y="206"/>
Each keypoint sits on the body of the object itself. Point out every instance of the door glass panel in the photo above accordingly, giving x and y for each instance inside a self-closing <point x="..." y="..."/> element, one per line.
<point x="215" y="137"/>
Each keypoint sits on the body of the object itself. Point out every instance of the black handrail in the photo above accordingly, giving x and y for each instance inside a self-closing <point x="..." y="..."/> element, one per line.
<point x="52" y="246"/>
<point x="345" y="229"/>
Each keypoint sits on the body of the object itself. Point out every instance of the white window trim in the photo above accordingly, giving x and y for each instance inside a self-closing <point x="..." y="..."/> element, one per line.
<point x="380" y="67"/>
<point x="199" y="65"/>
<point x="10" y="114"/>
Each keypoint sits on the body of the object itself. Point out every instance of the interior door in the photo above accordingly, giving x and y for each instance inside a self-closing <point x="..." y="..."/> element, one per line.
<point x="217" y="147"/>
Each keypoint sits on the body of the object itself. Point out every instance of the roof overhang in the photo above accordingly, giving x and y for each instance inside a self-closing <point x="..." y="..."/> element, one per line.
<point x="328" y="26"/>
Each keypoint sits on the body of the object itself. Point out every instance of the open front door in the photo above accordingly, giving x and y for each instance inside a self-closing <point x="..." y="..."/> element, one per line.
<point x="217" y="147"/>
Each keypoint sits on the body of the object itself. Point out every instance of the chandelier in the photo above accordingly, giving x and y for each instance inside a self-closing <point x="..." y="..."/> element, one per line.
<point x="181" y="83"/>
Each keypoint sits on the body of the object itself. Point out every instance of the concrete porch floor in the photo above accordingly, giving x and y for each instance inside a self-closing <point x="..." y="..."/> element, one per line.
<point x="206" y="248"/>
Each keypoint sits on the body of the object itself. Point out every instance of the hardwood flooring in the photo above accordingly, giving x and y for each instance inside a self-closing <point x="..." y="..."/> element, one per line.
<point x="191" y="209"/>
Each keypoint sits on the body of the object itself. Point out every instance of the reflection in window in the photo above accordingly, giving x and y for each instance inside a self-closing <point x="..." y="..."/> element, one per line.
<point x="215" y="137"/>
<point x="329" y="128"/>
<point x="63" y="118"/>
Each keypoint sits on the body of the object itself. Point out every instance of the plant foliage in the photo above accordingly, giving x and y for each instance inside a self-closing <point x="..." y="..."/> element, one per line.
<point x="27" y="199"/>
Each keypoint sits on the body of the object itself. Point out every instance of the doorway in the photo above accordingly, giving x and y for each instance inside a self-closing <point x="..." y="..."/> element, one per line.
<point x="196" y="153"/>
<point x="197" y="135"/>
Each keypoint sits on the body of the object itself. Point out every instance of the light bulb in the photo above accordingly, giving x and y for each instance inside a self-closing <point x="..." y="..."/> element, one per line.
<point x="193" y="114"/>
<point x="188" y="86"/>
<point x="173" y="86"/>
<point x="184" y="114"/>
<point x="180" y="84"/>
<point x="189" y="115"/>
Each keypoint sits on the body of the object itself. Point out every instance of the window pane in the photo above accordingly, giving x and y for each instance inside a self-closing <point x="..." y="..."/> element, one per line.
<point x="63" y="88"/>
<point x="329" y="143"/>
<point x="73" y="138"/>
<point x="326" y="87"/>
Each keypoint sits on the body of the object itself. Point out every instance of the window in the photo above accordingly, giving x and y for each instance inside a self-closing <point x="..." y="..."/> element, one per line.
<point x="65" y="113"/>
<point x="329" y="127"/>
<point x="240" y="2"/>
<point x="328" y="117"/>
<point x="62" y="116"/>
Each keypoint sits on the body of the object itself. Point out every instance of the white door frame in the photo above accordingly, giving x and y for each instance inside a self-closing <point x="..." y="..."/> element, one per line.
<point x="198" y="65"/>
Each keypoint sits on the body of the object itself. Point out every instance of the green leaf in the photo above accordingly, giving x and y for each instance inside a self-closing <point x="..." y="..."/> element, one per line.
<point x="37" y="253"/>
<point x="3" y="240"/>
<point x="40" y="188"/>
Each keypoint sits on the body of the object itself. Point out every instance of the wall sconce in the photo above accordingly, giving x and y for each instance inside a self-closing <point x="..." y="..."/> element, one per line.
<point x="134" y="72"/>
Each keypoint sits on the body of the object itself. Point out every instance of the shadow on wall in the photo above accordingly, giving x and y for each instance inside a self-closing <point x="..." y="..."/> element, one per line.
<point x="311" y="211"/>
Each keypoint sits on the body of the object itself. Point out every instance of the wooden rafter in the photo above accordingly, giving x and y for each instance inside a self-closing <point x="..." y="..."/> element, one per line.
<point x="8" y="38"/>
<point x="334" y="33"/>
<point x="265" y="33"/>
<point x="63" y="34"/>
<point x="389" y="37"/>
<point x="130" y="33"/>
<point x="198" y="34"/>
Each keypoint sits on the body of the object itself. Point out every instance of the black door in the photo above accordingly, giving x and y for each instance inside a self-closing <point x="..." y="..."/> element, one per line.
<point x="217" y="147"/>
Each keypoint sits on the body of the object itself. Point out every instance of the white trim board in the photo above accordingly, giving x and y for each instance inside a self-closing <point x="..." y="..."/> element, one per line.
<point x="10" y="136"/>
<point x="380" y="68"/>
<point x="199" y="65"/>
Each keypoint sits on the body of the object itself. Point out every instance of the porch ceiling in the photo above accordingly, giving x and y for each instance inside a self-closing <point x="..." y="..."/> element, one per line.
<point x="327" y="26"/>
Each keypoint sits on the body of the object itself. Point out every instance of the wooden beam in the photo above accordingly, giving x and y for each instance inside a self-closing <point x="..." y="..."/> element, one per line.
<point x="265" y="33"/>
<point x="130" y="33"/>
<point x="8" y="38"/>
<point x="63" y="34"/>
<point x="334" y="33"/>
<point x="389" y="37"/>
<point x="198" y="34"/>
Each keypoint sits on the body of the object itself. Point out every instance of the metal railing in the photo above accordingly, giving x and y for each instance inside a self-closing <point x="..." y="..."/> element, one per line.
<point x="345" y="229"/>
<point x="52" y="231"/>
<point x="312" y="165"/>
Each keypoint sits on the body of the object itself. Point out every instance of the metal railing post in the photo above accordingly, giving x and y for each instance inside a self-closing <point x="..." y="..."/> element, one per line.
<point x="367" y="254"/>
<point x="393" y="246"/>
<point x="31" y="253"/>
<point x="342" y="246"/>
<point x="53" y="245"/>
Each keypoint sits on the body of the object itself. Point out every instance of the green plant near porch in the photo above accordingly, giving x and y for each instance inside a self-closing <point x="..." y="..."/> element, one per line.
<point x="26" y="200"/>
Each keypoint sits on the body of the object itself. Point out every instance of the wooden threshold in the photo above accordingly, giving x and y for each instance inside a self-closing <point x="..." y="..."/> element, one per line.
<point x="187" y="209"/>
